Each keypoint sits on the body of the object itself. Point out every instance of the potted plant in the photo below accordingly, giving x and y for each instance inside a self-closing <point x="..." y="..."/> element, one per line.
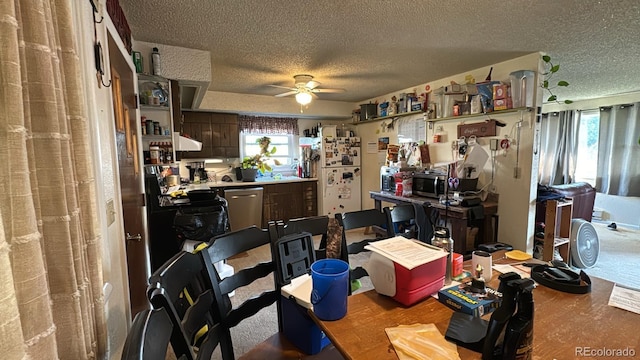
<point x="251" y="164"/>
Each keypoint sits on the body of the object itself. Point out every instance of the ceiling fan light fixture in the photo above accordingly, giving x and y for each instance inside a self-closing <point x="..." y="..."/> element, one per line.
<point x="303" y="98"/>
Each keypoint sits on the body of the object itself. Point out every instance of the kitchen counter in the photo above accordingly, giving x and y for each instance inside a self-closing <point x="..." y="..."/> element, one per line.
<point x="259" y="181"/>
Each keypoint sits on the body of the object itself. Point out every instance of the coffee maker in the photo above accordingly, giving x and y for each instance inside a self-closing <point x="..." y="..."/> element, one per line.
<point x="196" y="172"/>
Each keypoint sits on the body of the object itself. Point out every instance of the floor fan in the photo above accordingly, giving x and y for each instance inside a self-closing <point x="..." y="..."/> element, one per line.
<point x="585" y="245"/>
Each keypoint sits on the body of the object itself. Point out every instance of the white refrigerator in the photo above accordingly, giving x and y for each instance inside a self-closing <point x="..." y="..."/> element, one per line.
<point x="339" y="183"/>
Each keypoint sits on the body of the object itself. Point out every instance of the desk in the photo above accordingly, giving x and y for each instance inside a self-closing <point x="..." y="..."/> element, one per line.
<point x="562" y="322"/>
<point x="457" y="217"/>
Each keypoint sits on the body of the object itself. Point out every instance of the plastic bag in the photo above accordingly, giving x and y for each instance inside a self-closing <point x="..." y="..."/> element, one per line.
<point x="201" y="223"/>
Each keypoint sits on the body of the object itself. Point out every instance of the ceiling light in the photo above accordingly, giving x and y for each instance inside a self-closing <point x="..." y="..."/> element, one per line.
<point x="303" y="98"/>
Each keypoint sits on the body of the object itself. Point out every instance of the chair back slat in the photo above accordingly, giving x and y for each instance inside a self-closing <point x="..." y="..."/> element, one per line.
<point x="226" y="246"/>
<point x="236" y="242"/>
<point x="182" y="286"/>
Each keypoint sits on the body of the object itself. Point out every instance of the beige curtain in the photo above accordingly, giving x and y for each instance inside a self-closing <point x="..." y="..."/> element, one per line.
<point x="51" y="303"/>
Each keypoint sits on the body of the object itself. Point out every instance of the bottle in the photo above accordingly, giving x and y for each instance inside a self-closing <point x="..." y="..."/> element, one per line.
<point x="495" y="329"/>
<point x="154" y="152"/>
<point x="518" y="336"/>
<point x="155" y="61"/>
<point x="169" y="152"/>
<point x="443" y="240"/>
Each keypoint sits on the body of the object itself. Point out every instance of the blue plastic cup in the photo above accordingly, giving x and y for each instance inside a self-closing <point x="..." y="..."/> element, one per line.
<point x="330" y="288"/>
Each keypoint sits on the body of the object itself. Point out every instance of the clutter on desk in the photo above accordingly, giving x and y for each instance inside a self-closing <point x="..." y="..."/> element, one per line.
<point x="420" y="341"/>
<point x="508" y="332"/>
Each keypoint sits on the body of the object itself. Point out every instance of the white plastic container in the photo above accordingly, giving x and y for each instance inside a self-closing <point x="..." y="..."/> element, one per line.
<point x="523" y="84"/>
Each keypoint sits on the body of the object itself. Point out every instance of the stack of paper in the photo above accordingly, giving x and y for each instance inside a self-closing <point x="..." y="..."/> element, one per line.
<point x="421" y="341"/>
<point x="405" y="252"/>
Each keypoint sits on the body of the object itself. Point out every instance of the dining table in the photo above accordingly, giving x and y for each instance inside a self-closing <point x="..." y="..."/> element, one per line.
<point x="566" y="325"/>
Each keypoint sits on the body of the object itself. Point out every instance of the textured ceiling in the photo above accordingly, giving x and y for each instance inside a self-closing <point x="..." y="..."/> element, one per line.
<point x="376" y="47"/>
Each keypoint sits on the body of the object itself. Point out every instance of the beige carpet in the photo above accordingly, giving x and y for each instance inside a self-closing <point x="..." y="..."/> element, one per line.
<point x="619" y="257"/>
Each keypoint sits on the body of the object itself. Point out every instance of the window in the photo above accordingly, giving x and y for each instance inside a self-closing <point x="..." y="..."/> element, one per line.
<point x="286" y="149"/>
<point x="587" y="158"/>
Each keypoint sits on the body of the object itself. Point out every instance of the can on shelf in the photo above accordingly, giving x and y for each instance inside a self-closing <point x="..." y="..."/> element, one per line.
<point x="155" y="154"/>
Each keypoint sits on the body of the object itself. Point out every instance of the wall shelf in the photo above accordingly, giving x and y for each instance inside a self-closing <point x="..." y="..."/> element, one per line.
<point x="389" y="117"/>
<point x="460" y="117"/>
<point x="155" y="107"/>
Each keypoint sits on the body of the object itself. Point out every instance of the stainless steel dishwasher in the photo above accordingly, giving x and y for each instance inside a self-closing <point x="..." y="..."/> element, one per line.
<point x="245" y="207"/>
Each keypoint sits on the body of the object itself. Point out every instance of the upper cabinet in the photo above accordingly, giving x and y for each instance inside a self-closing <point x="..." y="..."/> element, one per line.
<point x="156" y="120"/>
<point x="218" y="133"/>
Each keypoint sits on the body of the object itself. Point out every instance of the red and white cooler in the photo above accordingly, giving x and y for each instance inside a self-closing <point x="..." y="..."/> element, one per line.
<point x="406" y="270"/>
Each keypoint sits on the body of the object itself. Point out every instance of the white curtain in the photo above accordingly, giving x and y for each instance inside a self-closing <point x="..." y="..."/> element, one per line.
<point x="51" y="302"/>
<point x="558" y="147"/>
<point x="619" y="150"/>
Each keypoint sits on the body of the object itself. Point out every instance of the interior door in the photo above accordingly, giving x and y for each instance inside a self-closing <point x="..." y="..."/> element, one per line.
<point x="132" y="191"/>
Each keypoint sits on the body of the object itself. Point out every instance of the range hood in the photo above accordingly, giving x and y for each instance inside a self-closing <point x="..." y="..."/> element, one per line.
<point x="181" y="143"/>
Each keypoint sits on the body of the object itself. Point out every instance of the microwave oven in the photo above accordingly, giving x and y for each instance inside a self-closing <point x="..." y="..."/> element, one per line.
<point x="429" y="185"/>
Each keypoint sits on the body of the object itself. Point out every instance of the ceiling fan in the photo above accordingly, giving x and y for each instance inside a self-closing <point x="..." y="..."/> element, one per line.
<point x="305" y="89"/>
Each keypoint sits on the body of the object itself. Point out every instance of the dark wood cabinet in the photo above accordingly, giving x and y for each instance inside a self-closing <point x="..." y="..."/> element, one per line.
<point x="289" y="201"/>
<point x="218" y="133"/>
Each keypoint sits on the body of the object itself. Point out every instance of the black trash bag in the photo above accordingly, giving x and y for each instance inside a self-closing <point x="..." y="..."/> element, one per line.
<point x="201" y="223"/>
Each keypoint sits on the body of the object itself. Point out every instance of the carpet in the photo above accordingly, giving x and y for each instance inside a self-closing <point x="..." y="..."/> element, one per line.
<point x="619" y="257"/>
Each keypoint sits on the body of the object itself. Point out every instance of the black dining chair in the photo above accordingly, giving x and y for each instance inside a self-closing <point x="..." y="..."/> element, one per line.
<point x="316" y="226"/>
<point x="148" y="337"/>
<point x="182" y="288"/>
<point x="361" y="219"/>
<point x="401" y="220"/>
<point x="231" y="244"/>
<point x="415" y="221"/>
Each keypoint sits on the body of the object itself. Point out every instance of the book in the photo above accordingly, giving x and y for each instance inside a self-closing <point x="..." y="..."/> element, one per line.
<point x="460" y="298"/>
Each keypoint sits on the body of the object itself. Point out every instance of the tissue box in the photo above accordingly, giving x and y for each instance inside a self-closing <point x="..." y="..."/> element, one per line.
<point x="467" y="302"/>
<point x="405" y="285"/>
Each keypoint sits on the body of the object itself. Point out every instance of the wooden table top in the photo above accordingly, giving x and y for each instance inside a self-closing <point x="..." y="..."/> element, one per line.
<point x="562" y="322"/>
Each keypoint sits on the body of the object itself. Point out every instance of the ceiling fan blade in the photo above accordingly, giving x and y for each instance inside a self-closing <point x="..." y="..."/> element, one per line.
<point x="314" y="95"/>
<point x="312" y="84"/>
<point x="326" y="91"/>
<point x="287" y="93"/>
<point x="282" y="87"/>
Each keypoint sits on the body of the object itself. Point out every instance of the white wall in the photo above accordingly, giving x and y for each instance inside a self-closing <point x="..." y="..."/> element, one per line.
<point x="270" y="105"/>
<point x="516" y="207"/>
<point x="99" y="106"/>
<point x="623" y="210"/>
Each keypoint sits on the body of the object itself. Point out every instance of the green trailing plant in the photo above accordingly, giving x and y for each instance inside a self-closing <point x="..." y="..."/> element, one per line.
<point x="259" y="161"/>
<point x="550" y="70"/>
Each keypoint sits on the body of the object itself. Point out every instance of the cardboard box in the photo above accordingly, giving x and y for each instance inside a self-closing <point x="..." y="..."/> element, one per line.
<point x="500" y="104"/>
<point x="500" y="91"/>
<point x="467" y="302"/>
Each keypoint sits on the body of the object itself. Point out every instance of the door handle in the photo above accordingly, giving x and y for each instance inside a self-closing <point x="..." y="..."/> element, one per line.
<point x="136" y="237"/>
